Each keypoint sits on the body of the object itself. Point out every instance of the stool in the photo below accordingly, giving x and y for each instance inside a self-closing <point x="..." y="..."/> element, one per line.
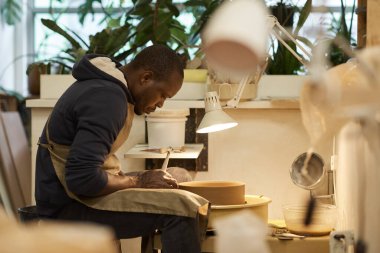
<point x="28" y="214"/>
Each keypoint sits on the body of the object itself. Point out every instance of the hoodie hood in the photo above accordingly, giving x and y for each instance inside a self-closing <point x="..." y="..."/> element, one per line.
<point x="95" y="66"/>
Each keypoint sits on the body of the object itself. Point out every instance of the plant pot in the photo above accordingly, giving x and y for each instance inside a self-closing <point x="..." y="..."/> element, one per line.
<point x="53" y="86"/>
<point x="227" y="91"/>
<point x="280" y="86"/>
<point x="195" y="75"/>
<point x="34" y="77"/>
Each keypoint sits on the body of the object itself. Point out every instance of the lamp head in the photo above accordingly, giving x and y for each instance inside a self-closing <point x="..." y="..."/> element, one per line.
<point x="215" y="118"/>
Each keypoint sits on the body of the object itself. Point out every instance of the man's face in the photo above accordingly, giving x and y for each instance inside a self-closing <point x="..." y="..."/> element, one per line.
<point x="152" y="94"/>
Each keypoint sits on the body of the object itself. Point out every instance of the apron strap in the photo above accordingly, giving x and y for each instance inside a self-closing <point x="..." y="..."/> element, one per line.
<point x="49" y="146"/>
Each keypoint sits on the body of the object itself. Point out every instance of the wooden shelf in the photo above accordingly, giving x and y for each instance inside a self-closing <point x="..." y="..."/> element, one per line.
<point x="192" y="151"/>
<point x="272" y="103"/>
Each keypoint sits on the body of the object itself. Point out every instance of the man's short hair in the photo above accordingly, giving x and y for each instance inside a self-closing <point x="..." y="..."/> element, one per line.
<point x="160" y="59"/>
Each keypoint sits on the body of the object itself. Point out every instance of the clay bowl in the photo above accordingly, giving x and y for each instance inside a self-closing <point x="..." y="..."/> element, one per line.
<point x="217" y="192"/>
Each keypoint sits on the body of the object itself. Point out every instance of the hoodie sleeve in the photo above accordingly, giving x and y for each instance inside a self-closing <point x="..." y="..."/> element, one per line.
<point x="100" y="115"/>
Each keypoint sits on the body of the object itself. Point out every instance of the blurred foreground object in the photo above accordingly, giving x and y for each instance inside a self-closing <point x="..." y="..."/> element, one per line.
<point x="241" y="232"/>
<point x="235" y="38"/>
<point x="48" y="237"/>
<point x="235" y="45"/>
<point x="346" y="91"/>
<point x="344" y="101"/>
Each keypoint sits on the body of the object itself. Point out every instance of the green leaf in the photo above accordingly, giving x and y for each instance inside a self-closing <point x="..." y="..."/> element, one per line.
<point x="86" y="8"/>
<point x="141" y="10"/>
<point x="120" y="57"/>
<point x="162" y="33"/>
<point x="145" y="24"/>
<point x="305" y="41"/>
<point x="179" y="36"/>
<point x="139" y="3"/>
<point x="164" y="18"/>
<point x="304" y="14"/>
<point x="143" y="38"/>
<point x="283" y="62"/>
<point x="197" y="3"/>
<point x="109" y="41"/>
<point x="114" y="22"/>
<point x="173" y="9"/>
<point x="11" y="12"/>
<point x="52" y="25"/>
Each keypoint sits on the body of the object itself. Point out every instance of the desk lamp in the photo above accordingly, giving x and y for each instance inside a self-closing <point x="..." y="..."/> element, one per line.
<point x="215" y="118"/>
<point x="243" y="51"/>
<point x="235" y="41"/>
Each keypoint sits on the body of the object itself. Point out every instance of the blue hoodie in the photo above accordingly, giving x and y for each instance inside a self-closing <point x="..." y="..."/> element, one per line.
<point x="88" y="118"/>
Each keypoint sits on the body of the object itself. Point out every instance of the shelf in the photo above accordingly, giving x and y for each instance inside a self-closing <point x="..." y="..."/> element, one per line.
<point x="41" y="103"/>
<point x="270" y="103"/>
<point x="192" y="151"/>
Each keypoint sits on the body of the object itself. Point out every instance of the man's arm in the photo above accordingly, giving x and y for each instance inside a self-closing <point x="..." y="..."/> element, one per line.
<point x="146" y="179"/>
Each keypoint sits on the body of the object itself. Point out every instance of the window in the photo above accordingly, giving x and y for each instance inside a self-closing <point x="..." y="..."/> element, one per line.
<point x="48" y="44"/>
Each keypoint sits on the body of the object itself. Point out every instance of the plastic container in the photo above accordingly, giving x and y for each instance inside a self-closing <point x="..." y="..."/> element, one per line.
<point x="166" y="128"/>
<point x="323" y="220"/>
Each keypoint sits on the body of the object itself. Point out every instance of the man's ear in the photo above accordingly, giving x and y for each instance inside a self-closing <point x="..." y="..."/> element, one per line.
<point x="146" y="77"/>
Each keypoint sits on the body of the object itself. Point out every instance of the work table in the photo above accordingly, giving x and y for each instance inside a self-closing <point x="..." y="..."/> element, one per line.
<point x="308" y="244"/>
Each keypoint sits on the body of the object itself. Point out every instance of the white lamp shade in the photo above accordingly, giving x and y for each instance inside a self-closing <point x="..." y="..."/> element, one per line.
<point x="236" y="36"/>
<point x="215" y="118"/>
<point x="214" y="121"/>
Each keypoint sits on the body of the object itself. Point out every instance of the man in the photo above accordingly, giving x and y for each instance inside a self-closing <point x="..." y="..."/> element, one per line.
<point x="75" y="159"/>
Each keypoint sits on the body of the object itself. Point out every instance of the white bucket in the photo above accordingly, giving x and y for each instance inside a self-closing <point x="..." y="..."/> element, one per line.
<point x="166" y="128"/>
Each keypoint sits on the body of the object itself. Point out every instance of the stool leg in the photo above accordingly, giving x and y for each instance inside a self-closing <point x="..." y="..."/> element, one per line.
<point x="147" y="244"/>
<point x="118" y="245"/>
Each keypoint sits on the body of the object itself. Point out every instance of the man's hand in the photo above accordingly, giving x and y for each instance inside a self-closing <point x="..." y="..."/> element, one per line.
<point x="156" y="179"/>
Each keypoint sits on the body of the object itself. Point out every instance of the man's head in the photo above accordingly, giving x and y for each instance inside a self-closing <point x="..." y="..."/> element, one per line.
<point x="155" y="74"/>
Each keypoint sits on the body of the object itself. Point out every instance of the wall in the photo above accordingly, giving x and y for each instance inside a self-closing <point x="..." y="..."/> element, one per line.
<point x="259" y="152"/>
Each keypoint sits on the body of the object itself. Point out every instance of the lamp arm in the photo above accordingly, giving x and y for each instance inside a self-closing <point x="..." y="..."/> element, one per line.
<point x="232" y="103"/>
<point x="273" y="22"/>
<point x="235" y="100"/>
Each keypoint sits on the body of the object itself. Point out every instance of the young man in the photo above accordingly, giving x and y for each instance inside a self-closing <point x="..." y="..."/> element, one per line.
<point x="76" y="165"/>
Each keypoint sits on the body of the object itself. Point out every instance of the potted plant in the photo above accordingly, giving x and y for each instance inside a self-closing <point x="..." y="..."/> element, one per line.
<point x="340" y="28"/>
<point x="109" y="41"/>
<point x="282" y="62"/>
<point x="156" y="24"/>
